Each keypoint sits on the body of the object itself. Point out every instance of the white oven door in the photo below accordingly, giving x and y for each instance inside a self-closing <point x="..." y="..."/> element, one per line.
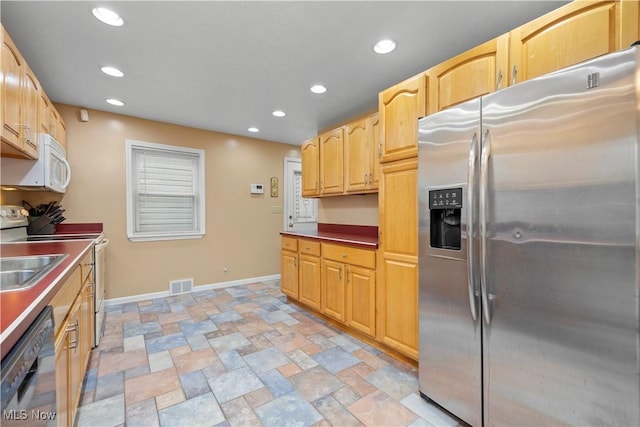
<point x="99" y="269"/>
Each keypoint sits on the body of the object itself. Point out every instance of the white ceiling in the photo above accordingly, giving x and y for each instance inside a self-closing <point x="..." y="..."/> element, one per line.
<point x="226" y="65"/>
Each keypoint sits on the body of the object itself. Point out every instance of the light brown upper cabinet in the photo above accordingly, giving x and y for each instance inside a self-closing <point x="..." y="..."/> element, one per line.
<point x="377" y="151"/>
<point x="310" y="153"/>
<point x="573" y="33"/>
<point x="31" y="103"/>
<point x="361" y="155"/>
<point x="11" y="91"/>
<point x="45" y="107"/>
<point x="25" y="108"/>
<point x="57" y="128"/>
<point x="474" y="73"/>
<point x="20" y="103"/>
<point x="332" y="162"/>
<point x="50" y="121"/>
<point x="400" y="107"/>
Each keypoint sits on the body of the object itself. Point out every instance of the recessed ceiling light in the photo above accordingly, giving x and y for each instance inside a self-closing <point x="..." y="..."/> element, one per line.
<point x="253" y="129"/>
<point x="279" y="113"/>
<point x="107" y="16"/>
<point x="112" y="71"/>
<point x="318" y="89"/>
<point x="384" y="46"/>
<point x="114" y="101"/>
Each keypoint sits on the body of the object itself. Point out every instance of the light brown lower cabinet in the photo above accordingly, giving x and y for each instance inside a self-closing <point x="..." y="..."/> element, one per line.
<point x="341" y="283"/>
<point x="333" y="289"/>
<point x="62" y="377"/>
<point x="309" y="273"/>
<point x="74" y="339"/>
<point x="336" y="280"/>
<point x="348" y="286"/>
<point x="361" y="299"/>
<point x="289" y="266"/>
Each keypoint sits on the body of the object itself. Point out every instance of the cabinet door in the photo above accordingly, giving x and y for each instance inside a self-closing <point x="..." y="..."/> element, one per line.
<point x="357" y="142"/>
<point x="289" y="273"/>
<point x="310" y="281"/>
<point x="53" y="122"/>
<point x="44" y="116"/>
<point x="62" y="377"/>
<point x="310" y="168"/>
<point x="398" y="306"/>
<point x="400" y="108"/>
<point x="398" y="208"/>
<point x="332" y="162"/>
<point x="333" y="279"/>
<point x="361" y="299"/>
<point x="576" y="32"/>
<point x="61" y="132"/>
<point x="11" y="91"/>
<point x="477" y="72"/>
<point x="76" y="371"/>
<point x="376" y="148"/>
<point x="629" y="22"/>
<point x="398" y="290"/>
<point x="29" y="116"/>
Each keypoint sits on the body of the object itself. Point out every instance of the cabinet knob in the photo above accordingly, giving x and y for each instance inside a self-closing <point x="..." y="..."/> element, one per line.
<point x="344" y="255"/>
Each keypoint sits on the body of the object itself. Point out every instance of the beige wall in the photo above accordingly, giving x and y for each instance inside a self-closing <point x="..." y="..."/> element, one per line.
<point x="241" y="231"/>
<point x="353" y="209"/>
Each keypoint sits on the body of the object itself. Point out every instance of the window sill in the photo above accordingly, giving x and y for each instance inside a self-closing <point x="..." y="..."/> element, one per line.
<point x="159" y="237"/>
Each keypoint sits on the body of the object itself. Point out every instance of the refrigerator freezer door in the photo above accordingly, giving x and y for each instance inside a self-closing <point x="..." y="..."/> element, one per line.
<point x="450" y="337"/>
<point x="561" y="240"/>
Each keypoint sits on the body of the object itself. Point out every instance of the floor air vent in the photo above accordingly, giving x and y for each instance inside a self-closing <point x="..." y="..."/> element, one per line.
<point x="180" y="286"/>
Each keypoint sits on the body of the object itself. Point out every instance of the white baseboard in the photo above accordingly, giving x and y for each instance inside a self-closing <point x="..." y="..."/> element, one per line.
<point x="164" y="294"/>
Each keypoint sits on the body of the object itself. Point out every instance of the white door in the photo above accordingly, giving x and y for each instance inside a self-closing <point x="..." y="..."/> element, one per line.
<point x="300" y="213"/>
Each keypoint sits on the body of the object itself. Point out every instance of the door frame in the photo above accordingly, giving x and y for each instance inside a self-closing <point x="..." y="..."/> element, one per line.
<point x="286" y="189"/>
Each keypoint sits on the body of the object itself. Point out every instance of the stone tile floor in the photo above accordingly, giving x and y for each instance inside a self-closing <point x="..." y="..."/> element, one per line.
<point x="242" y="356"/>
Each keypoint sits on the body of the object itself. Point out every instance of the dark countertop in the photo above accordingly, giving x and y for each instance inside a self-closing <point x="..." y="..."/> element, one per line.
<point x="19" y="308"/>
<point x="354" y="235"/>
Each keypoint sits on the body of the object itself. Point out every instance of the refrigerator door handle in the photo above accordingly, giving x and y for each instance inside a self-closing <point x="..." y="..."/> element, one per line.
<point x="473" y="155"/>
<point x="484" y="176"/>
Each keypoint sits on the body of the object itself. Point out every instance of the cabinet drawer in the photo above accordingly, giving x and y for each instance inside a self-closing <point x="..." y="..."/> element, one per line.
<point x="350" y="255"/>
<point x="309" y="247"/>
<point x="289" y="243"/>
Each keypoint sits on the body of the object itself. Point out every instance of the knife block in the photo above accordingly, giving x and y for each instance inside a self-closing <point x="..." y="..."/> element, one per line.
<point x="40" y="225"/>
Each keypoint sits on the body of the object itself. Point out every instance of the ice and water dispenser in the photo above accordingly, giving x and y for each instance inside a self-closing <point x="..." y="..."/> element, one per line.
<point x="445" y="207"/>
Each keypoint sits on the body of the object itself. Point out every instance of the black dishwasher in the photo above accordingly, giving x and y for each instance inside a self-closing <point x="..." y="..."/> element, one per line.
<point x="29" y="378"/>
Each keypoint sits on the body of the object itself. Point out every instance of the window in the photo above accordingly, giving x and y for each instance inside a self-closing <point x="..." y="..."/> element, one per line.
<point x="165" y="192"/>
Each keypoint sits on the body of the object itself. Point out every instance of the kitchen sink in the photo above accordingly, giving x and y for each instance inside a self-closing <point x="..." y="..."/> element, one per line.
<point x="24" y="272"/>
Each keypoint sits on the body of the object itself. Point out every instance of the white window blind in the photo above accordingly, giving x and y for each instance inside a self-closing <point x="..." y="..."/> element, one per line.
<point x="165" y="191"/>
<point x="305" y="209"/>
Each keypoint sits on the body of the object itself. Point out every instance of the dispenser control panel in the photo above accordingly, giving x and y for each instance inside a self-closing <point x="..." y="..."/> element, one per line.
<point x="450" y="198"/>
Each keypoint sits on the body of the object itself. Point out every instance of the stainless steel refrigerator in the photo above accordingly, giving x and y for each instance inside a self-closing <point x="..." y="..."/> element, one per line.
<point x="529" y="251"/>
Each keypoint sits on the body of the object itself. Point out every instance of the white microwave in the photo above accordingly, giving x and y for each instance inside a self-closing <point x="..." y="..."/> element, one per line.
<point x="50" y="172"/>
